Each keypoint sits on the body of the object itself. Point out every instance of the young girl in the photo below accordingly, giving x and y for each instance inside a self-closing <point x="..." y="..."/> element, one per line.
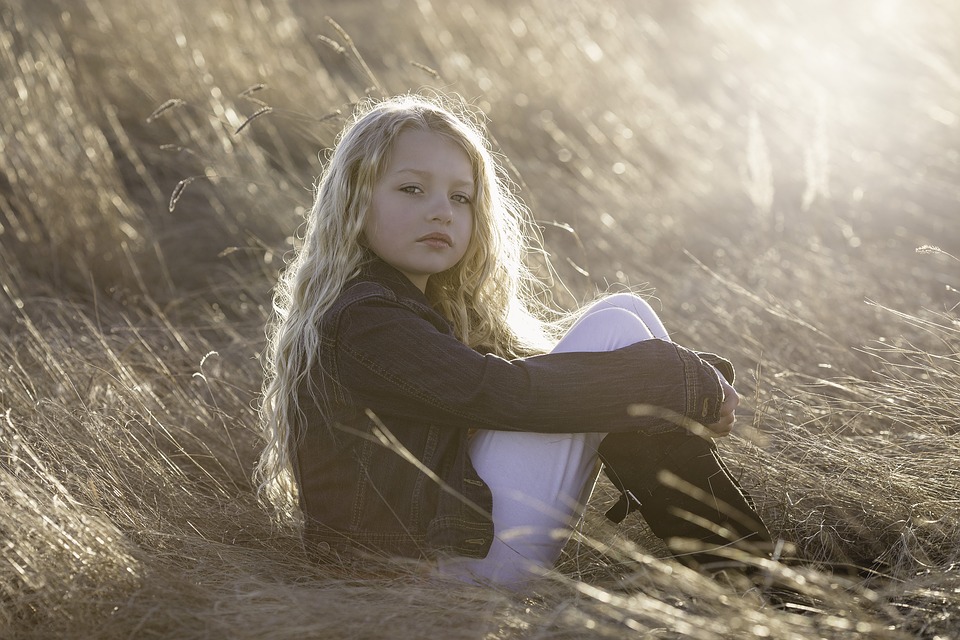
<point x="418" y="403"/>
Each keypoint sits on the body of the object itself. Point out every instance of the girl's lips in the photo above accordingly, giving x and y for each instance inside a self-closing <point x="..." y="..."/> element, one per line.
<point x="436" y="240"/>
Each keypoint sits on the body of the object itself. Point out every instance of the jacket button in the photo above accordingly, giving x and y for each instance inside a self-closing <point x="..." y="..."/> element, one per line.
<point x="323" y="547"/>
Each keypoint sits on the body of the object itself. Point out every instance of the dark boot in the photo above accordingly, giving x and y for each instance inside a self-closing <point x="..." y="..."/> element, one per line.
<point x="678" y="482"/>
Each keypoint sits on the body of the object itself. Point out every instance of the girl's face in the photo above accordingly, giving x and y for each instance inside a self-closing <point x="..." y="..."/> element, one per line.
<point x="421" y="216"/>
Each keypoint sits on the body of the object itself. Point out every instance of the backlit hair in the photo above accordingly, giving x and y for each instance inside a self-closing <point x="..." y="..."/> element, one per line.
<point x="490" y="295"/>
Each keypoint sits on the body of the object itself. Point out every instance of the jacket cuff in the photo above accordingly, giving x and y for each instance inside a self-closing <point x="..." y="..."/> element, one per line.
<point x="703" y="390"/>
<point x="724" y="366"/>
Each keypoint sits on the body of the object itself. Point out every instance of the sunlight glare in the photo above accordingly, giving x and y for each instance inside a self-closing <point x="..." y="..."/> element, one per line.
<point x="887" y="13"/>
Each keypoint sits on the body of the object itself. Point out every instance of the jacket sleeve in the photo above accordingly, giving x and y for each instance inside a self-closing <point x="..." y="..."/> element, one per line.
<point x="396" y="363"/>
<point x="724" y="366"/>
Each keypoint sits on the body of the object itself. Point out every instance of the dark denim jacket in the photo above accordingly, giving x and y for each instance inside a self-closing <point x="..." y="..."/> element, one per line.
<point x="384" y="467"/>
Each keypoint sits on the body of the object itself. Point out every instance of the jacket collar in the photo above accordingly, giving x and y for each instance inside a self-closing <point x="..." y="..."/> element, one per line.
<point x="375" y="269"/>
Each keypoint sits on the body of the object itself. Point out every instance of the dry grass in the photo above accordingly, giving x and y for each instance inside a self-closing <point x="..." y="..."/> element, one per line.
<point x="766" y="171"/>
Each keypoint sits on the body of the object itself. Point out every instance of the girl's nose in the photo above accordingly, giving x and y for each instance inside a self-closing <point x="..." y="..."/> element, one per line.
<point x="441" y="210"/>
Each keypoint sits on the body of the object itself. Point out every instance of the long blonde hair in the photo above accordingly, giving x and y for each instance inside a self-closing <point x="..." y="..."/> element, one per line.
<point x="490" y="296"/>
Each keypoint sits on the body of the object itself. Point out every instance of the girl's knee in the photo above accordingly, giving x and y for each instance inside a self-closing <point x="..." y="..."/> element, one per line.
<point x="629" y="301"/>
<point x="637" y="306"/>
<point x="614" y="319"/>
<point x="605" y="329"/>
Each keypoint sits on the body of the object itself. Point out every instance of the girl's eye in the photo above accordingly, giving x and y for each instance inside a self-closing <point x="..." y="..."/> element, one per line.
<point x="462" y="199"/>
<point x="411" y="188"/>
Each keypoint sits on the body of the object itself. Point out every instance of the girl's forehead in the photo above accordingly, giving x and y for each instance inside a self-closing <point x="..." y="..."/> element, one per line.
<point x="418" y="136"/>
<point x="423" y="147"/>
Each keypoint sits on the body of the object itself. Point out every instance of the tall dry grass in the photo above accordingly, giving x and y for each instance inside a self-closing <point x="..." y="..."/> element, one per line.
<point x="770" y="171"/>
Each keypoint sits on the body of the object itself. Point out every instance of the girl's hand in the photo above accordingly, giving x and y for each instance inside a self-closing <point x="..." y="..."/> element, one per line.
<point x="731" y="400"/>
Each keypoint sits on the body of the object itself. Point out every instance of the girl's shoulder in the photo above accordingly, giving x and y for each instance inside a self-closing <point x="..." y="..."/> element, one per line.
<point x="360" y="289"/>
<point x="356" y="292"/>
<point x="367" y="307"/>
<point x="381" y="295"/>
<point x="380" y="291"/>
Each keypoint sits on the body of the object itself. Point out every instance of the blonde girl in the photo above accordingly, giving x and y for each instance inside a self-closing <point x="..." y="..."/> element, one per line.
<point x="416" y="401"/>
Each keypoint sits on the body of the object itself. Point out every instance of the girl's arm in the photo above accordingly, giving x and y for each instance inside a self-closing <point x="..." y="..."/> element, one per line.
<point x="396" y="363"/>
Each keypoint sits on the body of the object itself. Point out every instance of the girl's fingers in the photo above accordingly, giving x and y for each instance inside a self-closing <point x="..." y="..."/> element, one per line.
<point x="722" y="427"/>
<point x="731" y="400"/>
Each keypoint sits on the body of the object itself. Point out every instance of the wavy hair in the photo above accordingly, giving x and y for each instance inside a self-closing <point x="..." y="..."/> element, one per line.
<point x="490" y="296"/>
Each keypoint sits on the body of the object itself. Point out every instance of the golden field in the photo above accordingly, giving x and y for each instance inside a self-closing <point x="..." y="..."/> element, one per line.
<point x="785" y="177"/>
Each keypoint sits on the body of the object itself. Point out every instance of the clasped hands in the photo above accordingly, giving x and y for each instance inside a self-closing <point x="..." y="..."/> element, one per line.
<point x="722" y="427"/>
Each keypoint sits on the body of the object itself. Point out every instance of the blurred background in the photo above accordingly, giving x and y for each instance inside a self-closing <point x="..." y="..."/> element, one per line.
<point x="767" y="169"/>
<point x="801" y="152"/>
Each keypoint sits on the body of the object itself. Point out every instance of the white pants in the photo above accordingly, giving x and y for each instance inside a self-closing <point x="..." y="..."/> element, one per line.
<point x="541" y="482"/>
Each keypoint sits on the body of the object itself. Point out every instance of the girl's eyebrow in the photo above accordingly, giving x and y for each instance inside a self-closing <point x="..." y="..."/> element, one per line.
<point x="429" y="174"/>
